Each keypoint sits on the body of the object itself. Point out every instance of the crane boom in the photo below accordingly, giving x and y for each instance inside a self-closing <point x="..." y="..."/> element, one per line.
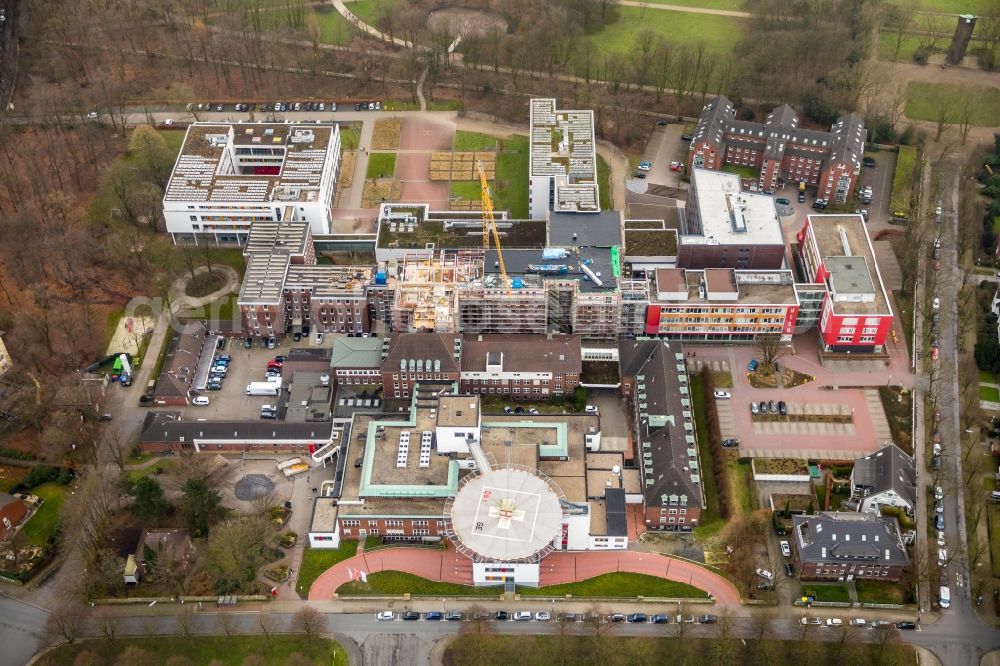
<point x="490" y="224"/>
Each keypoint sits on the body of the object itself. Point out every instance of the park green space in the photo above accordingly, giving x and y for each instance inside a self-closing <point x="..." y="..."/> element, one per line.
<point x="216" y="650"/>
<point x="902" y="181"/>
<point x="333" y="28"/>
<point x="989" y="393"/>
<point x="474" y="142"/>
<point x="369" y="10"/>
<point x="719" y="33"/>
<point x="727" y="5"/>
<point x="924" y="101"/>
<point x="510" y="192"/>
<point x="470" y="190"/>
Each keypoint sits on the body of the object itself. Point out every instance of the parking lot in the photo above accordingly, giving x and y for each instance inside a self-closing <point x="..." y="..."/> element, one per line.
<point x="246" y="366"/>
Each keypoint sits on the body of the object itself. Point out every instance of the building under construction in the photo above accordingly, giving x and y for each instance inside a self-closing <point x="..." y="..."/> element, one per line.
<point x="427" y="287"/>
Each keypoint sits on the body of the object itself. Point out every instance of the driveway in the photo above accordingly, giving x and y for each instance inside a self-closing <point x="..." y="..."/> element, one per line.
<point x="665" y="146"/>
<point x="880" y="178"/>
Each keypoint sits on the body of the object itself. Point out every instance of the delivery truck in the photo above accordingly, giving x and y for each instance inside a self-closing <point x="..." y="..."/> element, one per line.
<point x="264" y="388"/>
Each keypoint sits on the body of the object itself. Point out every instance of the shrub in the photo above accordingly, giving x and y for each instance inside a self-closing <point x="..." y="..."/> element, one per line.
<point x="920" y="56"/>
<point x="15" y="454"/>
<point x="38" y="475"/>
<point x="715" y="442"/>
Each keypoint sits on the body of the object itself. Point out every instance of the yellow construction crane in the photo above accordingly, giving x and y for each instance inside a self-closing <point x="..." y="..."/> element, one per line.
<point x="490" y="224"/>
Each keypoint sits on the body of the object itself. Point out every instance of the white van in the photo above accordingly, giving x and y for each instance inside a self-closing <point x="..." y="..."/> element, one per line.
<point x="944" y="596"/>
<point x="201" y="401"/>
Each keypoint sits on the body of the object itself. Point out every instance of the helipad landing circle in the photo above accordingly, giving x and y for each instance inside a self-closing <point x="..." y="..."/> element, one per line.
<point x="506" y="514"/>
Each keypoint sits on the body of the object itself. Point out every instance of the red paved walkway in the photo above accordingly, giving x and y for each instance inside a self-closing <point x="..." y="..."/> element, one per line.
<point x="450" y="567"/>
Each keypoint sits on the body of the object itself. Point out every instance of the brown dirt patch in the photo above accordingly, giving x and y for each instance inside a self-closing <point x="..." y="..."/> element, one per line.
<point x="347" y="162"/>
<point x="386" y="134"/>
<point x="379" y="191"/>
<point x="466" y="22"/>
<point x="462" y="166"/>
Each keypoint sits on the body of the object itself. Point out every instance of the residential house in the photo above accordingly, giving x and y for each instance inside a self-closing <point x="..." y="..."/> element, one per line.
<point x="843" y="545"/>
<point x="887" y="477"/>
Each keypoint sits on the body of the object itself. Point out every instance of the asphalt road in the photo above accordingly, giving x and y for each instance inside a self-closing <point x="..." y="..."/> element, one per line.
<point x="20" y="630"/>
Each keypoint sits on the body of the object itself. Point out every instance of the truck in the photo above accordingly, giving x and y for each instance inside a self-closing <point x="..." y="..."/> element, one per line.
<point x="264" y="388"/>
<point x="123" y="368"/>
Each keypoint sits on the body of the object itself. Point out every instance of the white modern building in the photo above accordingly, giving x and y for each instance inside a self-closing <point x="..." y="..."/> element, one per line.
<point x="230" y="175"/>
<point x="562" y="169"/>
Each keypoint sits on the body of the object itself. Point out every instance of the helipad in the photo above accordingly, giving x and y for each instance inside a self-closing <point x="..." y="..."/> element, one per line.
<point x="507" y="514"/>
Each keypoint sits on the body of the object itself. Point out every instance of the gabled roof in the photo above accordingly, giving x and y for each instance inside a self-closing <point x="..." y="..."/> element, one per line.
<point x="845" y="537"/>
<point x="423" y="347"/>
<point x="6" y="499"/>
<point x="664" y="422"/>
<point x="889" y="468"/>
<point x="848" y="139"/>
<point x="712" y="121"/>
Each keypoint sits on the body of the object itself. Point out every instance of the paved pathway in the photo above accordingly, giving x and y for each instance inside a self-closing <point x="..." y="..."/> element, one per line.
<point x="681" y="8"/>
<point x="451" y="567"/>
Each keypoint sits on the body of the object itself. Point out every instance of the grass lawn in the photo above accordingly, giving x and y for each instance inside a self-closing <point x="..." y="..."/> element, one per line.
<point x="370" y="10"/>
<point x="923" y="101"/>
<point x="619" y="585"/>
<point x="902" y="180"/>
<point x="470" y="190"/>
<point x="510" y="192"/>
<point x="719" y="33"/>
<point x="43" y="523"/>
<point x="711" y="523"/>
<point x="317" y="560"/>
<point x="989" y="393"/>
<point x="946" y="6"/>
<point x="333" y="28"/>
<point x="395" y="583"/>
<point x="349" y="137"/>
<point x="742" y="171"/>
<point x="604" y="183"/>
<point x="381" y="165"/>
<point x="993" y="513"/>
<point x="730" y="5"/>
<point x="880" y="592"/>
<point x="887" y="47"/>
<point x="134" y="475"/>
<point x="491" y="649"/>
<point x="474" y="141"/>
<point x="741" y="481"/>
<point x="826" y="592"/>
<point x="987" y="377"/>
<point x="234" y="650"/>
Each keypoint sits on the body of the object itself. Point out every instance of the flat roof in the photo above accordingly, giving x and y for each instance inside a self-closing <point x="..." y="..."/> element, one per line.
<point x="731" y="216"/>
<point x="753" y="287"/>
<point x="458" y="411"/>
<point x="412" y="226"/>
<point x="831" y="233"/>
<point x="534" y="268"/>
<point x="356" y="352"/>
<point x="285" y="236"/>
<point x="507" y="514"/>
<point x="329" y="281"/>
<point x="264" y="278"/>
<point x="567" y="229"/>
<point x="849" y="275"/>
<point x="206" y="167"/>
<point x="563" y="147"/>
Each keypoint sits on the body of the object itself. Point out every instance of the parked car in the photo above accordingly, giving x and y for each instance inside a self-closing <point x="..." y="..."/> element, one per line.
<point x="789" y="570"/>
<point x="106" y="416"/>
<point x="773" y="407"/>
<point x="730" y="443"/>
<point x="385" y="615"/>
<point x="834" y="622"/>
<point x="319" y="338"/>
<point x="868" y="161"/>
<point x="858" y="622"/>
<point x="942" y="557"/>
<point x="708" y="619"/>
<point x="522" y="616"/>
<point x="782" y="408"/>
<point x="453" y="616"/>
<point x="786" y="550"/>
<point x="637" y="617"/>
<point x="543" y="616"/>
<point x="501" y="615"/>
<point x="939" y="522"/>
<point x="214" y="385"/>
<point x="645" y="166"/>
<point x="752" y="366"/>
<point x="906" y="625"/>
<point x="939" y="506"/>
<point x="201" y="401"/>
<point x="723" y="395"/>
<point x="408" y="615"/>
<point x="616" y="617"/>
<point x="765" y="574"/>
<point x="783" y="201"/>
<point x="248" y="343"/>
<point x="660" y="618"/>
<point x="938" y="493"/>
<point x="811" y="620"/>
<point x="590" y="409"/>
<point x="433" y="615"/>
<point x="802" y="197"/>
<point x="676" y="166"/>
<point x="533" y="411"/>
<point x="640" y="174"/>
<point x="661" y="122"/>
<point x="280" y="358"/>
<point x="508" y="410"/>
<point x="753" y="407"/>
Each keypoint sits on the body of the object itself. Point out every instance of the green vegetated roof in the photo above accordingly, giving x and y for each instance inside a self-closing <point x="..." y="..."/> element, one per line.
<point x="781" y="466"/>
<point x="650" y="242"/>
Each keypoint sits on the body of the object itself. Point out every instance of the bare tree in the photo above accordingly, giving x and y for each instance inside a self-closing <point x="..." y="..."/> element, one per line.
<point x="724" y="645"/>
<point x="965" y="112"/>
<point x="771" y="349"/>
<point x="267" y="623"/>
<point x="309" y="622"/>
<point x="944" y="109"/>
<point x="226" y="621"/>
<point x="63" y="625"/>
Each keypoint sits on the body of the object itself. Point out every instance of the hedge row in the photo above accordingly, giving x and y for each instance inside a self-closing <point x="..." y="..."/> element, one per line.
<point x="715" y="443"/>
